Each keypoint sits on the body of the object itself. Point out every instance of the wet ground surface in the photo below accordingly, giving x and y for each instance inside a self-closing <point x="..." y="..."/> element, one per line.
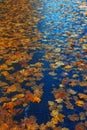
<point x="43" y="65"/>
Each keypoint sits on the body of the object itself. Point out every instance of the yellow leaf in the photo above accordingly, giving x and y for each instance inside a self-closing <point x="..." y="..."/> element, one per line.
<point x="68" y="67"/>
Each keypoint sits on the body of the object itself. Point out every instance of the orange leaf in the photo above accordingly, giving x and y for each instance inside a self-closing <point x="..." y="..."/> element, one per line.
<point x="60" y="95"/>
<point x="83" y="96"/>
<point x="4" y="127"/>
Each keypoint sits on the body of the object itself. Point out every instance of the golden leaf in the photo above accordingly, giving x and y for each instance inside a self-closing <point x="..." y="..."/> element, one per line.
<point x="11" y="89"/>
<point x="19" y="96"/>
<point x="36" y="99"/>
<point x="58" y="118"/>
<point x="3" y="67"/>
<point x="79" y="103"/>
<point x="5" y="73"/>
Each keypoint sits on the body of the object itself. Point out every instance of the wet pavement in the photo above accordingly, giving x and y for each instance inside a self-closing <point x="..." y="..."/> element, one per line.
<point x="43" y="65"/>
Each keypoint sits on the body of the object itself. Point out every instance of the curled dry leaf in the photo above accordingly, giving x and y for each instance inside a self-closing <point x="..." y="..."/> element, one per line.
<point x="73" y="117"/>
